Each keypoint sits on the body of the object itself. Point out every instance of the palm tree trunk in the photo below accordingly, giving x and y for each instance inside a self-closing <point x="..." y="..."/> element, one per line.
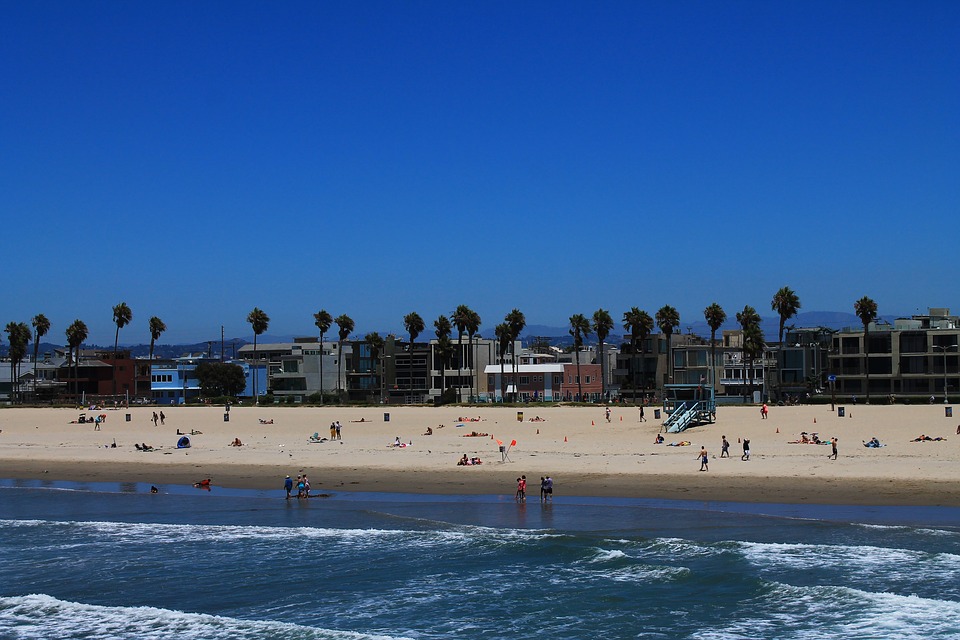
<point x="256" y="376"/>
<point x="579" y="379"/>
<point x="321" y="368"/>
<point x="116" y="341"/>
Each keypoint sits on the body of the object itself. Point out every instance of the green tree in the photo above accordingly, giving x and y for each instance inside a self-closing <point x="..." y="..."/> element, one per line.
<point x="715" y="317"/>
<point x="344" y="329"/>
<point x="220" y="379"/>
<point x="579" y="329"/>
<point x="259" y="322"/>
<point x="503" y="333"/>
<point x="122" y="315"/>
<point x="749" y="321"/>
<point x="323" y="321"/>
<point x="76" y="334"/>
<point x="668" y="319"/>
<point x="786" y="303"/>
<point x="18" y="334"/>
<point x="40" y="328"/>
<point x="444" y="349"/>
<point x="460" y="318"/>
<point x="602" y="324"/>
<point x="414" y="325"/>
<point x="473" y="326"/>
<point x="516" y="322"/>
<point x="866" y="310"/>
<point x="375" y="342"/>
<point x="157" y="327"/>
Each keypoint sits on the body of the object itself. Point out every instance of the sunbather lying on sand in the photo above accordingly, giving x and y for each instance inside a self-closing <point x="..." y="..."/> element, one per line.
<point x="926" y="438"/>
<point x="474" y="434"/>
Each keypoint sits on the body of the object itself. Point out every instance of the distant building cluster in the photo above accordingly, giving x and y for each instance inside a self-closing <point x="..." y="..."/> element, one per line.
<point x="912" y="359"/>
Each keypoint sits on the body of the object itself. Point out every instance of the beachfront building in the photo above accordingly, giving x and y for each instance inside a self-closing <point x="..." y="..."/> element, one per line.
<point x="800" y="366"/>
<point x="294" y="368"/>
<point x="174" y="380"/>
<point x="534" y="382"/>
<point x="464" y="373"/>
<point x="915" y="358"/>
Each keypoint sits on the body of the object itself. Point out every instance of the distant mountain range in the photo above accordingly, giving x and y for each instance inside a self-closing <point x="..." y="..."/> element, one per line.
<point x="558" y="336"/>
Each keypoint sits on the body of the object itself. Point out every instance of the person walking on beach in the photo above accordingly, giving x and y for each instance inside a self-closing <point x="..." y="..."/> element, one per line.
<point x="746" y="450"/>
<point x="704" y="459"/>
<point x="607" y="413"/>
<point x="288" y="486"/>
<point x="642" y="419"/>
<point x="162" y="418"/>
<point x="338" y="430"/>
<point x="724" y="447"/>
<point x="763" y="411"/>
<point x="155" y="418"/>
<point x="548" y="488"/>
<point x="833" y="445"/>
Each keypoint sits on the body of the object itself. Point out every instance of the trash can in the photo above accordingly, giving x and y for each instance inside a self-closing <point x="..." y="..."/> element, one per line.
<point x="129" y="418"/>
<point x="948" y="412"/>
<point x="840" y="412"/>
<point x="226" y="417"/>
<point x="386" y="417"/>
<point x="656" y="414"/>
<point x="519" y="416"/>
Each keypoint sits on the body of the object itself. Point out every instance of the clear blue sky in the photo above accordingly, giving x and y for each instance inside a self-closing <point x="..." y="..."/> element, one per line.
<point x="197" y="159"/>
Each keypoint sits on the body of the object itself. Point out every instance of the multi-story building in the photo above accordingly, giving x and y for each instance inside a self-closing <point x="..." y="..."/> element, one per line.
<point x="914" y="357"/>
<point x="294" y="368"/>
<point x="174" y="380"/>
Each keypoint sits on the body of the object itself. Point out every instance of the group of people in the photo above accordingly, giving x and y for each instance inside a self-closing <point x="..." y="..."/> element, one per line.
<point x="546" y="488"/>
<point x="161" y="418"/>
<point x="335" y="430"/>
<point x="704" y="458"/>
<point x="466" y="462"/>
<point x="302" y="485"/>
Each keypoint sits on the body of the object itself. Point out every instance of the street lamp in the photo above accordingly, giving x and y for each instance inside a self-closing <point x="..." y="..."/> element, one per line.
<point x="944" y="349"/>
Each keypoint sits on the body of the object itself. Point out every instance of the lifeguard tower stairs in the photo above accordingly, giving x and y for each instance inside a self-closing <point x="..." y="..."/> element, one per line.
<point x="688" y="405"/>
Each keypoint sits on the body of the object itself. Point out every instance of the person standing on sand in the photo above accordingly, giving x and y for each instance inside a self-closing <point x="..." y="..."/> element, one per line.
<point x="704" y="459"/>
<point x="724" y="448"/>
<point x="642" y="419"/>
<point x="764" y="410"/>
<point x="607" y="413"/>
<point x="746" y="450"/>
<point x="155" y="418"/>
<point x="162" y="418"/>
<point x="833" y="444"/>
<point x="288" y="486"/>
<point x="338" y="430"/>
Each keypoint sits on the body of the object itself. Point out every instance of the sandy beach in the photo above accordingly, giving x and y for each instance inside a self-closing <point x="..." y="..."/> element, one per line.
<point x="576" y="446"/>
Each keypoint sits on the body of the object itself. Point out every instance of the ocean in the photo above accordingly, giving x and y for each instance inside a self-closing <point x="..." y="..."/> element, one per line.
<point x="115" y="561"/>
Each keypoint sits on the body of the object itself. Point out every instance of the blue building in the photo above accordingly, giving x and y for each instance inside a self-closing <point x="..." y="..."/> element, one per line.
<point x="173" y="381"/>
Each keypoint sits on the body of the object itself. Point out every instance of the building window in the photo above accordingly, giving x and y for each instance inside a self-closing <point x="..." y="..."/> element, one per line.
<point x="524" y="379"/>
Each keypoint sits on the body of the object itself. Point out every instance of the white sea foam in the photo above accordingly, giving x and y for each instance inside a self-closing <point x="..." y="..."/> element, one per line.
<point x="43" y="616"/>
<point x="606" y="555"/>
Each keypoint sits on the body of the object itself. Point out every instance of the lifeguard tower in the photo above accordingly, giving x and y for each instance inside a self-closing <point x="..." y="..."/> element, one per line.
<point x="688" y="405"/>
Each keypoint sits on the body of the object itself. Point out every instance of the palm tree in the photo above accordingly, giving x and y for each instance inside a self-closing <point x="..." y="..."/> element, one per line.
<point x="749" y="321"/>
<point x="602" y="324"/>
<point x="579" y="329"/>
<point x="786" y="303"/>
<point x="414" y="325"/>
<point x="444" y="349"/>
<point x="504" y="334"/>
<point x="324" y="321"/>
<point x="715" y="317"/>
<point x="344" y="329"/>
<point x="122" y="315"/>
<point x="375" y="342"/>
<point x="631" y="323"/>
<point x="668" y="319"/>
<point x="259" y="321"/>
<point x="18" y="334"/>
<point x="40" y="327"/>
<point x="460" y="318"/>
<point x="76" y="334"/>
<point x="473" y="326"/>
<point x="866" y="310"/>
<point x="157" y="327"/>
<point x="517" y="322"/>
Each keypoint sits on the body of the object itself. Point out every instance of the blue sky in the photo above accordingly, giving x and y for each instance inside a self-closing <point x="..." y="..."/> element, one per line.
<point x="375" y="158"/>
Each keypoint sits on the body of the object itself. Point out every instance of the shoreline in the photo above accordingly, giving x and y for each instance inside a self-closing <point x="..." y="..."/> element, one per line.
<point x="752" y="490"/>
<point x="584" y="453"/>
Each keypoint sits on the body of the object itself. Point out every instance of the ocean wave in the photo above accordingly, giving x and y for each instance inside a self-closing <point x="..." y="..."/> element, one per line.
<point x="43" y="616"/>
<point x="801" y="613"/>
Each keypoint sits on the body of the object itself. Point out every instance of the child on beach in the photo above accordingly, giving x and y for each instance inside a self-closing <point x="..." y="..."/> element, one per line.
<point x="521" y="488"/>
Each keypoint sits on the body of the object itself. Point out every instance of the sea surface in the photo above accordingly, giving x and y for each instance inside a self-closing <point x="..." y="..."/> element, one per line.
<point x="115" y="561"/>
